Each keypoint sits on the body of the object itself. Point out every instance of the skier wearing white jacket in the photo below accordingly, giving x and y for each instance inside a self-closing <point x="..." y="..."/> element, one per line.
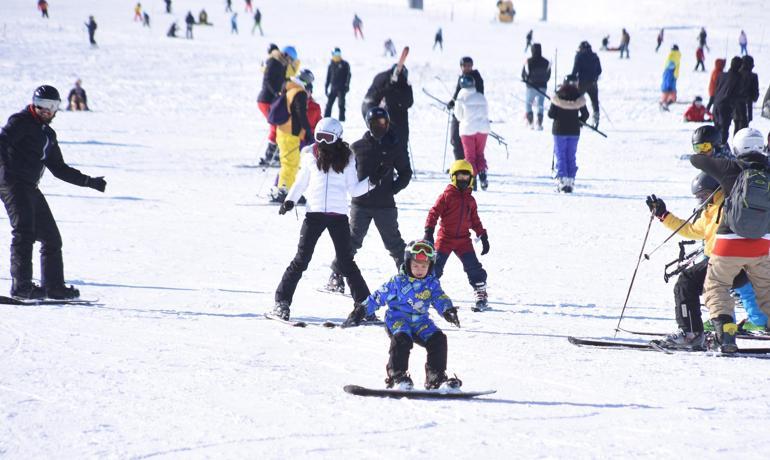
<point x="327" y="175"/>
<point x="472" y="112"/>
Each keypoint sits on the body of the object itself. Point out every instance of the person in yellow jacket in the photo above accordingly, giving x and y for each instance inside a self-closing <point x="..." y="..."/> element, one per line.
<point x="670" y="76"/>
<point x="292" y="132"/>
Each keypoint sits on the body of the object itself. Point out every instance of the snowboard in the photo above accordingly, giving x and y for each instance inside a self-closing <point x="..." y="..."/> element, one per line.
<point x="421" y="394"/>
<point x="4" y="300"/>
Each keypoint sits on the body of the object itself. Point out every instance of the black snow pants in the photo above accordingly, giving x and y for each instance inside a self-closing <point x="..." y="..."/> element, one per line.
<point x="386" y="221"/>
<point x="401" y="346"/>
<point x="340" y="97"/>
<point x="457" y="144"/>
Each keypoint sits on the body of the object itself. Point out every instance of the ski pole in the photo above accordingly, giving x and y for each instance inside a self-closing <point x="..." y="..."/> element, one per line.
<point x="697" y="210"/>
<point x="549" y="98"/>
<point x="633" y="277"/>
<point x="411" y="159"/>
<point x="446" y="138"/>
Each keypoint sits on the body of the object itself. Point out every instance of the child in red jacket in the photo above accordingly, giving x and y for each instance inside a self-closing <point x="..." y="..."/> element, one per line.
<point x="697" y="111"/>
<point x="458" y="213"/>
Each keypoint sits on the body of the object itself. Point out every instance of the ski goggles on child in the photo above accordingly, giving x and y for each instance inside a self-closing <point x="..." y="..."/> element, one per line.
<point x="325" y="138"/>
<point x="703" y="147"/>
<point x="422" y="251"/>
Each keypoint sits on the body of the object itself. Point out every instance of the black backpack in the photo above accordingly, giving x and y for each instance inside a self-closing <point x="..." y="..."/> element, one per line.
<point x="747" y="208"/>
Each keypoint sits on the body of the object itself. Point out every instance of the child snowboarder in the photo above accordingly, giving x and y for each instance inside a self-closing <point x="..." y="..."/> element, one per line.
<point x="408" y="296"/>
<point x="472" y="113"/>
<point x="458" y="213"/>
<point x="568" y="111"/>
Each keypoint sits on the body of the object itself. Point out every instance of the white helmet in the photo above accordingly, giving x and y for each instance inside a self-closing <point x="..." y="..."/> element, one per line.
<point x="748" y="140"/>
<point x="328" y="130"/>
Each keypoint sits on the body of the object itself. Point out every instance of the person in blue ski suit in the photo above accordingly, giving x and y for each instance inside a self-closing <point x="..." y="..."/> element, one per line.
<point x="408" y="296"/>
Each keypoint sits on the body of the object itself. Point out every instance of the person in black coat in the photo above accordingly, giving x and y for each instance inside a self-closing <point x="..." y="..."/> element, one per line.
<point x="587" y="68"/>
<point x="381" y="157"/>
<point x="392" y="88"/>
<point x="535" y="74"/>
<point x="91" y="26"/>
<point x="28" y="146"/>
<point x="729" y="103"/>
<point x="190" y="21"/>
<point x="568" y="111"/>
<point x="466" y="67"/>
<point x="750" y="88"/>
<point x="272" y="82"/>
<point x="337" y="84"/>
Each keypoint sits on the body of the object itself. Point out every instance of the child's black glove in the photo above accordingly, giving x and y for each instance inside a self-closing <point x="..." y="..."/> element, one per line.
<point x="286" y="206"/>
<point x="484" y="244"/>
<point x="428" y="236"/>
<point x="450" y="314"/>
<point x="356" y="316"/>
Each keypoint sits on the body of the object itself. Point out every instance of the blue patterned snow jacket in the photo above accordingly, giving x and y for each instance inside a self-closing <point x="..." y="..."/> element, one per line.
<point x="408" y="300"/>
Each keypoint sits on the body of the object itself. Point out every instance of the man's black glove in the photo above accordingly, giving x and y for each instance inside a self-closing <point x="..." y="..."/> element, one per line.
<point x="287" y="205"/>
<point x="484" y="244"/>
<point x="450" y="314"/>
<point x="96" y="183"/>
<point x="356" y="316"/>
<point x="450" y="105"/>
<point x="375" y="178"/>
<point x="657" y="207"/>
<point x="428" y="234"/>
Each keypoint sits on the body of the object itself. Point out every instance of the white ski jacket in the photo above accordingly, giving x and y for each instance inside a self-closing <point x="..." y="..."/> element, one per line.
<point x="326" y="192"/>
<point x="472" y="112"/>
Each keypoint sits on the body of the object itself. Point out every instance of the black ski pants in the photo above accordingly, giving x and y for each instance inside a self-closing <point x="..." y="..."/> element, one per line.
<point x="386" y="221"/>
<point x="340" y="97"/>
<point x="401" y="347"/>
<point x="723" y="117"/>
<point x="313" y="226"/>
<point x="457" y="144"/>
<point x="31" y="220"/>
<point x="687" y="292"/>
<point x="592" y="89"/>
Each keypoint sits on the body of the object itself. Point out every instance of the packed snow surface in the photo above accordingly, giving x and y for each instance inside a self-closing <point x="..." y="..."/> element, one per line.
<point x="184" y="253"/>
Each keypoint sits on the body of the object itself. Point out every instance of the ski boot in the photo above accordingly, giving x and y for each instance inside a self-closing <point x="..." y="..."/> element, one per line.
<point x="724" y="331"/>
<point x="569" y="183"/>
<point x="336" y="283"/>
<point x="62" y="292"/>
<point x="539" y="126"/>
<point x="440" y="381"/>
<point x="480" y="292"/>
<point x="270" y="154"/>
<point x="399" y="381"/>
<point x="278" y="194"/>
<point x="27" y="290"/>
<point x="483" y="180"/>
<point x="281" y="309"/>
<point x="681" y="340"/>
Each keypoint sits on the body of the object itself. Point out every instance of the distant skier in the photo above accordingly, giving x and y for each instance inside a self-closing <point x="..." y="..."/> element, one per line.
<point x="702" y="39"/>
<point x="138" y="12"/>
<point x="257" y="23"/>
<point x="719" y="67"/>
<point x="91" y="27"/>
<point x="438" y="39"/>
<point x="42" y="5"/>
<point x="390" y="48"/>
<point x="228" y="6"/>
<point x="168" y="6"/>
<point x="190" y="21"/>
<point x="337" y="84"/>
<point x="249" y="8"/>
<point x="700" y="57"/>
<point x="659" y="40"/>
<point x="145" y="19"/>
<point x="750" y="84"/>
<point x="234" y="24"/>
<point x="535" y="74"/>
<point x="327" y="176"/>
<point x="357" y="24"/>
<point x="743" y="42"/>
<point x="457" y="212"/>
<point x="466" y="69"/>
<point x="529" y="41"/>
<point x="408" y="296"/>
<point x="625" y="38"/>
<point x="392" y="88"/>
<point x="77" y="98"/>
<point x="274" y="76"/>
<point x="172" y="30"/>
<point x="670" y="76"/>
<point x="587" y="68"/>
<point x="568" y="111"/>
<point x="472" y="112"/>
<point x="28" y="146"/>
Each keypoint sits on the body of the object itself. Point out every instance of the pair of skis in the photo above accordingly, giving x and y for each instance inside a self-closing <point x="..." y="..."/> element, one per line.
<point x="601" y="343"/>
<point x="4" y="300"/>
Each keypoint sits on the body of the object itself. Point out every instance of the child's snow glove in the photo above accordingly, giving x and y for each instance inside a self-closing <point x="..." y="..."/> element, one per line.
<point x="428" y="236"/>
<point x="484" y="244"/>
<point x="450" y="314"/>
<point x="356" y="316"/>
<point x="657" y="207"/>
<point x="287" y="205"/>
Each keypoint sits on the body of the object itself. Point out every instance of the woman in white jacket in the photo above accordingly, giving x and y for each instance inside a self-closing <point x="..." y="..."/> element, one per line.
<point x="473" y="114"/>
<point x="326" y="176"/>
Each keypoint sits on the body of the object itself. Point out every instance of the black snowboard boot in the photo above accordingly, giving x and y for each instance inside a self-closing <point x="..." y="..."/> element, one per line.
<point x="399" y="381"/>
<point x="440" y="381"/>
<point x="62" y="292"/>
<point x="281" y="309"/>
<point x="336" y="283"/>
<point x="725" y="330"/>
<point x="27" y="290"/>
<point x="480" y="293"/>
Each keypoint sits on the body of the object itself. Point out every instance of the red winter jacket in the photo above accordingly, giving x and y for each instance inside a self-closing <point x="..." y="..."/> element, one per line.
<point x="695" y="113"/>
<point x="458" y="213"/>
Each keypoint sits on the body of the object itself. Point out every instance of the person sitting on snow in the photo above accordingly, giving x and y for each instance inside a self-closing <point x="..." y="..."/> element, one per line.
<point x="697" y="111"/>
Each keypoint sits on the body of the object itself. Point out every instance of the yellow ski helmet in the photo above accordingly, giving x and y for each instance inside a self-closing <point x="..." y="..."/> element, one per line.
<point x="460" y="165"/>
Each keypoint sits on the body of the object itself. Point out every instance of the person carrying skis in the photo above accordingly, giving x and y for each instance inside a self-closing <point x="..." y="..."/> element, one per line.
<point x="670" y="75"/>
<point x="337" y="84"/>
<point x="456" y="209"/>
<point x="290" y="134"/>
<point x="326" y="177"/>
<point x="529" y="40"/>
<point x="378" y="154"/>
<point x="587" y="69"/>
<point x="392" y="88"/>
<point x="568" y="111"/>
<point x="535" y="74"/>
<point x="472" y="111"/>
<point x="733" y="252"/>
<point x="28" y="146"/>
<point x="408" y="297"/>
<point x="466" y="70"/>
<point x="273" y="78"/>
<point x="77" y="99"/>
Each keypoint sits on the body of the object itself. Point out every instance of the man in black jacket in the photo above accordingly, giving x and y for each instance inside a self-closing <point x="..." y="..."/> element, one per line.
<point x="750" y="88"/>
<point x="27" y="146"/>
<point x="382" y="158"/>
<point x="728" y="99"/>
<point x="337" y="83"/>
<point x="392" y="87"/>
<point x="466" y="66"/>
<point x="535" y="74"/>
<point x="587" y="69"/>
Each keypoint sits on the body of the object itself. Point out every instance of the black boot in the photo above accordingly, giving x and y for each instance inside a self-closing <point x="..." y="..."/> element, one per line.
<point x="267" y="160"/>
<point x="62" y="292"/>
<point x="539" y="126"/>
<point x="530" y="118"/>
<point x="26" y="290"/>
<point x="725" y="330"/>
<point x="483" y="180"/>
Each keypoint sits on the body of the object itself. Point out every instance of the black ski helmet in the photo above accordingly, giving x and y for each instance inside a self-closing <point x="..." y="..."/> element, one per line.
<point x="466" y="60"/>
<point x="703" y="182"/>
<point x="419" y="250"/>
<point x="706" y="133"/>
<point x="374" y="114"/>
<point x="46" y="92"/>
<point x="466" y="81"/>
